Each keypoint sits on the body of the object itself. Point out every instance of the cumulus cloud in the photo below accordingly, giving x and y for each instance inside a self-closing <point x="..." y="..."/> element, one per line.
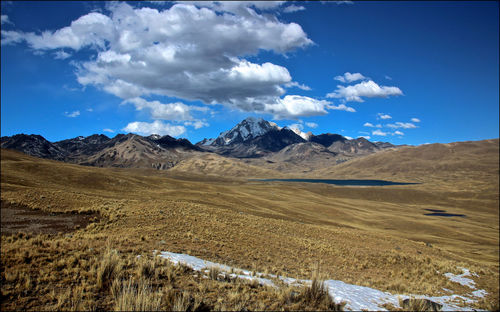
<point x="383" y="116"/>
<point x="342" y="107"/>
<point x="294" y="106"/>
<point x="397" y="132"/>
<point x="5" y="19"/>
<point x="404" y="125"/>
<point x="72" y="114"/>
<point x="298" y="85"/>
<point x="368" y="124"/>
<point x="415" y="120"/>
<point x="108" y="130"/>
<point x="293" y="8"/>
<point x="312" y="125"/>
<point x="363" y="89"/>
<point x="197" y="124"/>
<point x="172" y="111"/>
<point x="191" y="51"/>
<point x="379" y="132"/>
<point x="155" y="127"/>
<point x="61" y="55"/>
<point x="348" y="77"/>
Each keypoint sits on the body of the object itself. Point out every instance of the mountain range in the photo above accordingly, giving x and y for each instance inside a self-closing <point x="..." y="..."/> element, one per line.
<point x="253" y="140"/>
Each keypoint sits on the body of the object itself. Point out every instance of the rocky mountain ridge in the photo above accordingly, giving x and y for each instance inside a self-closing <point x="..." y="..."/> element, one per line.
<point x="252" y="138"/>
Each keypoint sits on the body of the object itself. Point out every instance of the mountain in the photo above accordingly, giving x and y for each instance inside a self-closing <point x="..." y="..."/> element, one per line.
<point x="124" y="150"/>
<point x="252" y="137"/>
<point x="449" y="164"/>
<point x="327" y="139"/>
<point x="34" y="145"/>
<point x="141" y="152"/>
<point x="260" y="142"/>
<point x="256" y="137"/>
<point x="356" y="147"/>
<point x="248" y="129"/>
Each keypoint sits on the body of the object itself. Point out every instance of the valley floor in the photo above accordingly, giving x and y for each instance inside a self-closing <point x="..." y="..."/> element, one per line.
<point x="376" y="237"/>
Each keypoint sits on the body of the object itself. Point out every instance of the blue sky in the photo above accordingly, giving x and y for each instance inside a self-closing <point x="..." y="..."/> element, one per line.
<point x="402" y="72"/>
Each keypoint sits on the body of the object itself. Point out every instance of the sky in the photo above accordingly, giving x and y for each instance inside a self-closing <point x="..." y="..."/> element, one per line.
<point x="400" y="72"/>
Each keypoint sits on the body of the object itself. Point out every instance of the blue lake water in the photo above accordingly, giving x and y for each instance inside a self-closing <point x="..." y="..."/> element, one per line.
<point x="442" y="213"/>
<point x="339" y="182"/>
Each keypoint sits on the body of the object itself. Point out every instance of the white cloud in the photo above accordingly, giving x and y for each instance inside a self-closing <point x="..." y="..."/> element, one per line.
<point x="61" y="55"/>
<point x="312" y="125"/>
<point x="388" y="77"/>
<point x="236" y="7"/>
<point x="155" y="127"/>
<point x="197" y="124"/>
<point x="293" y="8"/>
<point x="108" y="130"/>
<point x="89" y="109"/>
<point x="72" y="114"/>
<point x="379" y="132"/>
<point x="172" y="111"/>
<point x="344" y="2"/>
<point x="397" y="132"/>
<point x="298" y="85"/>
<point x="364" y="136"/>
<point x="404" y="125"/>
<point x="383" y="116"/>
<point x="368" y="124"/>
<point x="192" y="51"/>
<point x="348" y="77"/>
<point x="347" y="137"/>
<point x="415" y="120"/>
<point x="5" y="19"/>
<point x="363" y="89"/>
<point x="294" y="106"/>
<point x="342" y="107"/>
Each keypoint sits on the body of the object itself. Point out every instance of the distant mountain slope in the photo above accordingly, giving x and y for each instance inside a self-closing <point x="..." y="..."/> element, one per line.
<point x="357" y="147"/>
<point x="256" y="137"/>
<point x="299" y="152"/>
<point x="213" y="164"/>
<point x="459" y="161"/>
<point x="124" y="150"/>
<point x="137" y="152"/>
<point x="327" y="139"/>
<point x="282" y="149"/>
<point x="34" y="145"/>
<point x="252" y="137"/>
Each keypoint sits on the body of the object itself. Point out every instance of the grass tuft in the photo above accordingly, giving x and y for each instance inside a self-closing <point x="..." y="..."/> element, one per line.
<point x="137" y="297"/>
<point x="108" y="269"/>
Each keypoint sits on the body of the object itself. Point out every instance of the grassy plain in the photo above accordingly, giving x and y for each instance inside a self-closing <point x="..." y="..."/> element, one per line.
<point x="372" y="236"/>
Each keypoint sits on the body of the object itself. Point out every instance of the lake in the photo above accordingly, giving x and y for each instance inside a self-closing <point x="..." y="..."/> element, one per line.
<point x="339" y="182"/>
<point x="442" y="213"/>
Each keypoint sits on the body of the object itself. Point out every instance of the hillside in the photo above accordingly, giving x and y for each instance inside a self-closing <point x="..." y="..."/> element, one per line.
<point x="467" y="166"/>
<point x="371" y="236"/>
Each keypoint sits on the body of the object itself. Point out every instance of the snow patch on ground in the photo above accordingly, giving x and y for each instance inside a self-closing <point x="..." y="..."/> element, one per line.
<point x="461" y="278"/>
<point x="356" y="297"/>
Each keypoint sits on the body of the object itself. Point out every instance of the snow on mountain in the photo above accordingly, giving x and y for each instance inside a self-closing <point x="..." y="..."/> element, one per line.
<point x="303" y="135"/>
<point x="248" y="129"/>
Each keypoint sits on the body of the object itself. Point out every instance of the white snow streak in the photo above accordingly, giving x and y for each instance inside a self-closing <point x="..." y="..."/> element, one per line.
<point x="356" y="297"/>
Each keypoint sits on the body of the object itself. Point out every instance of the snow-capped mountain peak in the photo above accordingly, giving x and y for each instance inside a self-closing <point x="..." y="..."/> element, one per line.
<point x="247" y="129"/>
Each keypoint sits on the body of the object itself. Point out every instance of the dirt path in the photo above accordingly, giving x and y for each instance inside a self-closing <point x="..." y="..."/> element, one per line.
<point x="17" y="218"/>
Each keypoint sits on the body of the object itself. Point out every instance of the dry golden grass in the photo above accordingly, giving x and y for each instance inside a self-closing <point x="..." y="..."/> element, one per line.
<point x="369" y="236"/>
